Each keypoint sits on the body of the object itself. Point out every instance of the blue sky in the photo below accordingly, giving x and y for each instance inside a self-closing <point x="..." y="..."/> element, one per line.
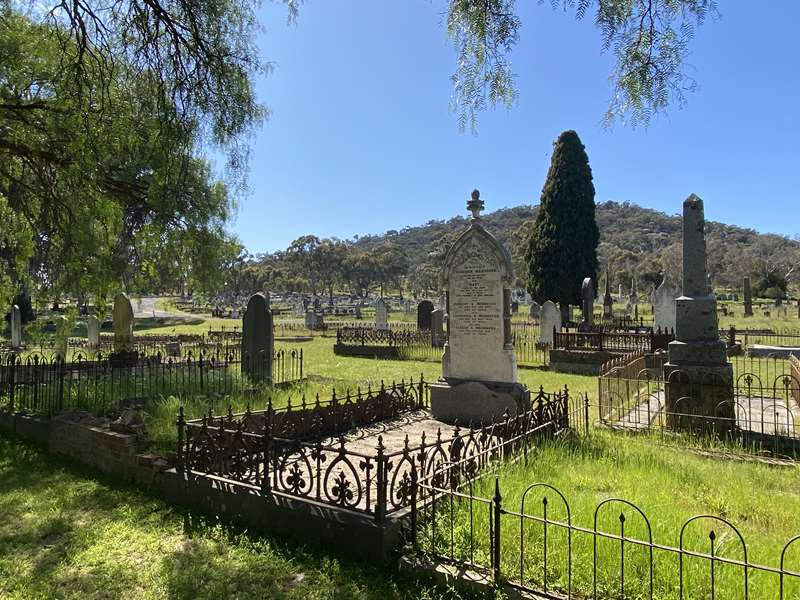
<point x="361" y="139"/>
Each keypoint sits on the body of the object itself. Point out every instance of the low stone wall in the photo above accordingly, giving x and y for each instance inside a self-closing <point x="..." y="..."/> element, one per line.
<point x="90" y="442"/>
<point x="580" y="362"/>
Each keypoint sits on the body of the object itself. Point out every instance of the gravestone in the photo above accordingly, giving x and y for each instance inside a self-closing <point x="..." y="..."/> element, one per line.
<point x="92" y="331"/>
<point x="479" y="369"/>
<point x="16" y="327"/>
<point x="664" y="306"/>
<point x="550" y="321"/>
<point x="258" y="339"/>
<point x="123" y="324"/>
<point x="748" y="298"/>
<point x="424" y="310"/>
<point x="697" y="354"/>
<point x="608" y="300"/>
<point x="443" y="302"/>
<point x="61" y="337"/>
<point x="381" y="314"/>
<point x="437" y="328"/>
<point x="587" y="304"/>
<point x="620" y="295"/>
<point x="535" y="311"/>
<point x="514" y="307"/>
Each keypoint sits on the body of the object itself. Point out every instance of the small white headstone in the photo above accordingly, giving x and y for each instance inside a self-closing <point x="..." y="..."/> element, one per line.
<point x="664" y="307"/>
<point x="381" y="314"/>
<point x="92" y="331"/>
<point x="61" y="337"/>
<point x="551" y="318"/>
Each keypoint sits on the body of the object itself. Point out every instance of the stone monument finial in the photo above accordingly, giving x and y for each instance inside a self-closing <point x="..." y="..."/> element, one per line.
<point x="475" y="205"/>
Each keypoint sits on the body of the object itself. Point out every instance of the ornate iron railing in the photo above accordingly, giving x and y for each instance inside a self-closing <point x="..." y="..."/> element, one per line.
<point x="612" y="341"/>
<point x="304" y="452"/>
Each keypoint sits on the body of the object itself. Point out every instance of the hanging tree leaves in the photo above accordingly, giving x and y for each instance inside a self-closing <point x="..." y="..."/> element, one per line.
<point x="649" y="40"/>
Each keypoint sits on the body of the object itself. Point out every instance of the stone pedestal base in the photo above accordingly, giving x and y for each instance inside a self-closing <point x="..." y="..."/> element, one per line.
<point x="475" y="402"/>
<point x="699" y="398"/>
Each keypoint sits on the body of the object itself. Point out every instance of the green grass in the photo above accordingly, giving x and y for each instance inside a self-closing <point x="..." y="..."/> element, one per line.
<point x="64" y="534"/>
<point x="670" y="485"/>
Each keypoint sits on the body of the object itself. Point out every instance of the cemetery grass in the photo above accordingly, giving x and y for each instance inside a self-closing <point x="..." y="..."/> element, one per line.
<point x="326" y="373"/>
<point x="66" y="534"/>
<point x="670" y="485"/>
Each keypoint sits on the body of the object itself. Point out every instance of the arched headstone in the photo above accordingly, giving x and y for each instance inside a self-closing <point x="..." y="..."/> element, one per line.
<point x="16" y="327"/>
<point x="551" y="319"/>
<point x="123" y="323"/>
<point x="424" y="310"/>
<point x="258" y="341"/>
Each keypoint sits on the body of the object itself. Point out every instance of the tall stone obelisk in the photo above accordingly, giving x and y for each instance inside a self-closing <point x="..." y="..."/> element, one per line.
<point x="698" y="374"/>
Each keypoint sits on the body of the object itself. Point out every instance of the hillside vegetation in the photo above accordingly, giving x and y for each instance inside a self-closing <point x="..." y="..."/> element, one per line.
<point x="633" y="241"/>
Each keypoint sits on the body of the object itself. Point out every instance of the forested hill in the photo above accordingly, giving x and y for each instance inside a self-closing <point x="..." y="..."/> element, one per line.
<point x="632" y="240"/>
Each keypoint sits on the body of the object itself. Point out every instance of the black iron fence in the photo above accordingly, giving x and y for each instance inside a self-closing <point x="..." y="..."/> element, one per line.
<point x="613" y="341"/>
<point x="539" y="543"/>
<point x="100" y="384"/>
<point x="757" y="407"/>
<point x="304" y="451"/>
<point x="787" y="337"/>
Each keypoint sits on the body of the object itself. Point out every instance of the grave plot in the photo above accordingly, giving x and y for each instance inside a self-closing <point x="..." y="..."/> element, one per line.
<point x="360" y="452"/>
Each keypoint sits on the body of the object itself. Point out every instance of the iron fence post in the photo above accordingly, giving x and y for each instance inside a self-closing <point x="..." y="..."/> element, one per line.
<point x="61" y="372"/>
<point x="497" y="503"/>
<point x="380" y="500"/>
<point x="586" y="411"/>
<point x="11" y="378"/>
<point x="181" y="423"/>
<point x="414" y="541"/>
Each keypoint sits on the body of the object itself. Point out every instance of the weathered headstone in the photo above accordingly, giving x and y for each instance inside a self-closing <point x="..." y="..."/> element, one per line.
<point x="587" y="304"/>
<point x="16" y="327"/>
<point x="478" y="366"/>
<point x="381" y="314"/>
<point x="437" y="328"/>
<point x="123" y="323"/>
<point x="424" y="310"/>
<point x="550" y="321"/>
<point x="92" y="331"/>
<point x="535" y="311"/>
<point x="258" y="339"/>
<point x="697" y="355"/>
<point x="608" y="300"/>
<point x="664" y="306"/>
<point x="61" y="337"/>
<point x="748" y="298"/>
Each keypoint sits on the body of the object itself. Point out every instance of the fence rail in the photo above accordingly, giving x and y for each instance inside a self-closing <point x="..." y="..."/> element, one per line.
<point x="99" y="384"/>
<point x="541" y="547"/>
<point x="651" y="341"/>
<point x="304" y="453"/>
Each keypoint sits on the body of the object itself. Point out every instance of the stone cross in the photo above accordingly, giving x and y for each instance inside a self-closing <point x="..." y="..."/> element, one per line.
<point x="61" y="337"/>
<point x="587" y="303"/>
<point x="16" y="327"/>
<point x="258" y="340"/>
<point x="550" y="321"/>
<point x="748" y="298"/>
<point x="123" y="323"/>
<point x="92" y="331"/>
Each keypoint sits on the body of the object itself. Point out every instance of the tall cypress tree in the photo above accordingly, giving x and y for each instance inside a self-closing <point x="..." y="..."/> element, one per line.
<point x="563" y="245"/>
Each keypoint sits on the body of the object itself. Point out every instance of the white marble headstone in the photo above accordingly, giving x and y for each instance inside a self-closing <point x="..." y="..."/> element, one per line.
<point x="551" y="318"/>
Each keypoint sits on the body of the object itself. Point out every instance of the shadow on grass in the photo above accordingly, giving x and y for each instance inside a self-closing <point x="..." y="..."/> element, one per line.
<point x="66" y="531"/>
